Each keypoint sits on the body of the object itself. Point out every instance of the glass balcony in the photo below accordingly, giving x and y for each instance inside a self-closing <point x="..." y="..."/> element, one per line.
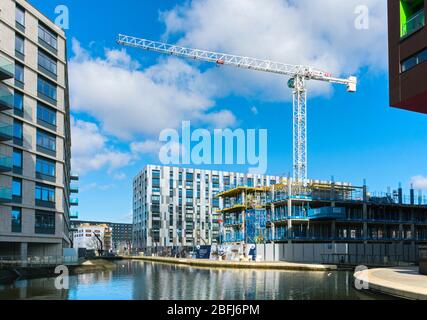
<point x="6" y="131"/>
<point x="5" y="163"/>
<point x="5" y="195"/>
<point x="74" y="201"/>
<point x="6" y="99"/>
<point x="74" y="176"/>
<point x="413" y="24"/>
<point x="74" y="215"/>
<point x="7" y="69"/>
<point x="74" y="188"/>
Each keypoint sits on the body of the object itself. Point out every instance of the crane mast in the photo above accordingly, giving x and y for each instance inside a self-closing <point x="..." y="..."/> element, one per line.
<point x="298" y="76"/>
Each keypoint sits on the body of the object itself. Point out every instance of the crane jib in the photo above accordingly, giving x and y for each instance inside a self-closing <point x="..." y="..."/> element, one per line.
<point x="298" y="75"/>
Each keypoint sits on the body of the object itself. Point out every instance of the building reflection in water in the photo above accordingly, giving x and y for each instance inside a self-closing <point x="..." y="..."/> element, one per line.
<point x="40" y="289"/>
<point x="154" y="281"/>
<point x="161" y="281"/>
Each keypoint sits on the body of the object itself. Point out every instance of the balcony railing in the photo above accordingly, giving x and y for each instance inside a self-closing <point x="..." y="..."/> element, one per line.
<point x="6" y="131"/>
<point x="5" y="195"/>
<point x="413" y="24"/>
<point x="7" y="69"/>
<point x="74" y="188"/>
<point x="74" y="201"/>
<point x="74" y="215"/>
<point x="6" y="99"/>
<point x="74" y="176"/>
<point x="5" y="163"/>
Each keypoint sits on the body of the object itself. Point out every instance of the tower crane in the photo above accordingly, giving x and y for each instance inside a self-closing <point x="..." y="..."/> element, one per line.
<point x="298" y="76"/>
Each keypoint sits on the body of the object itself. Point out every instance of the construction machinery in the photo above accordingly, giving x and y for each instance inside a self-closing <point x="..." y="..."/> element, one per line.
<point x="298" y="75"/>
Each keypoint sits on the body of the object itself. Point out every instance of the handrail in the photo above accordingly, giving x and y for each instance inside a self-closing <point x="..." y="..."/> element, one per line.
<point x="36" y="261"/>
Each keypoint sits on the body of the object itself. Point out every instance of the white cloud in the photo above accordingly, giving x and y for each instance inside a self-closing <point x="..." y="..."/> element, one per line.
<point x="321" y="34"/>
<point x="120" y="176"/>
<point x="148" y="146"/>
<point x="419" y="182"/>
<point x="90" y="150"/>
<point x="129" y="102"/>
<point x="94" y="185"/>
<point x="221" y="119"/>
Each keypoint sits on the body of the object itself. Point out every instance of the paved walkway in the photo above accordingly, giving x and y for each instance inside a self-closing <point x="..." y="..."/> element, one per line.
<point x="403" y="282"/>
<point x="238" y="265"/>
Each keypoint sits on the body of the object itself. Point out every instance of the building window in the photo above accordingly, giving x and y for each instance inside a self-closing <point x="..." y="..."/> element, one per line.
<point x="215" y="202"/>
<point x="45" y="166"/>
<point x="17" y="130"/>
<point x="45" y="222"/>
<point x="19" y="72"/>
<point x="46" y="140"/>
<point x="16" y="188"/>
<point x="412" y="17"/>
<point x="19" y="44"/>
<point x="46" y="114"/>
<point x="48" y="36"/>
<point x="46" y="88"/>
<point x="16" y="220"/>
<point x="415" y="60"/>
<point x="18" y="101"/>
<point x="156" y="182"/>
<point x="47" y="63"/>
<point x="17" y="158"/>
<point x="45" y="193"/>
<point x="155" y="199"/>
<point x="20" y="15"/>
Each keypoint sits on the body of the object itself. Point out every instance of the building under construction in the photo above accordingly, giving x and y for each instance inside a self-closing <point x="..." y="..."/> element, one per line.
<point x="321" y="212"/>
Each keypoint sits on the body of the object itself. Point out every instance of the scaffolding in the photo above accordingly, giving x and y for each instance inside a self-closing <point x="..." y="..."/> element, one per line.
<point x="320" y="211"/>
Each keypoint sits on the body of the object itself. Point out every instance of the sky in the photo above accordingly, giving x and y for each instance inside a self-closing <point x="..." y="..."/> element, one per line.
<point x="122" y="98"/>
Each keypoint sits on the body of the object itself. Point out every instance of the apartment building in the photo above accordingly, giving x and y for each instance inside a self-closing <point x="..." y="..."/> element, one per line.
<point x="121" y="233"/>
<point x="35" y="179"/>
<point x="178" y="206"/>
<point x="408" y="54"/>
<point x="93" y="237"/>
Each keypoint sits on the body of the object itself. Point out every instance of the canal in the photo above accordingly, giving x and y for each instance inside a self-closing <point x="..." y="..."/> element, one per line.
<point x="138" y="280"/>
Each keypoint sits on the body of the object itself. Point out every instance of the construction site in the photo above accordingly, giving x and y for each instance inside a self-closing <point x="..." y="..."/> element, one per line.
<point x="306" y="220"/>
<point x="326" y="213"/>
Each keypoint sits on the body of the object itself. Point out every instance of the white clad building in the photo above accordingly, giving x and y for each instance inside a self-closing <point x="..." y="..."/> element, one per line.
<point x="175" y="206"/>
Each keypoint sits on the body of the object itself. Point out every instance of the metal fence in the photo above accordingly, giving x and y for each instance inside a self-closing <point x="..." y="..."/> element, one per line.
<point x="37" y="261"/>
<point x="358" y="259"/>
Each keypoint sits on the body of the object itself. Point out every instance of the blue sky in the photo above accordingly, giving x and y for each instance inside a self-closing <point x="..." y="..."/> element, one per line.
<point x="351" y="136"/>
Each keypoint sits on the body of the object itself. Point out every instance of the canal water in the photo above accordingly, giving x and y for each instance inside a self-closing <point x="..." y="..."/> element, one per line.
<point x="138" y="280"/>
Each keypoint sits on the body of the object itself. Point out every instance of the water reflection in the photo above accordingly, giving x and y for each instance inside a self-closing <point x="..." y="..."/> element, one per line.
<point x="153" y="281"/>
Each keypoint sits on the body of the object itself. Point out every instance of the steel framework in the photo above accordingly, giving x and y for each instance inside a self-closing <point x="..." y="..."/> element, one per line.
<point x="299" y="75"/>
